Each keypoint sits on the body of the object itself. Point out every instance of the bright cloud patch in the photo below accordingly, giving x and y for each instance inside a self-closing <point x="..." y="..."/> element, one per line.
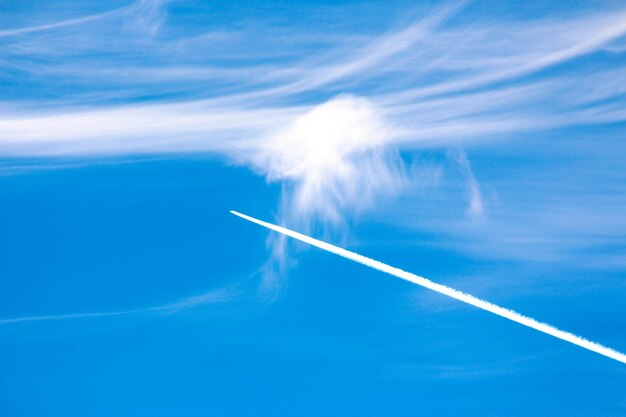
<point x="332" y="159"/>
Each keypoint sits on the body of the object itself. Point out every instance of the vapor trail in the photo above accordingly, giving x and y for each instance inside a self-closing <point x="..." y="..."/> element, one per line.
<point x="450" y="292"/>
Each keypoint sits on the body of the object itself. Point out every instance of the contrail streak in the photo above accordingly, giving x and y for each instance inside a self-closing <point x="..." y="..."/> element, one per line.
<point x="450" y="292"/>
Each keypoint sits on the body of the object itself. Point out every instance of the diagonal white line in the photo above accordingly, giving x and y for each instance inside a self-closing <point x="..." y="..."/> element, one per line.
<point x="450" y="292"/>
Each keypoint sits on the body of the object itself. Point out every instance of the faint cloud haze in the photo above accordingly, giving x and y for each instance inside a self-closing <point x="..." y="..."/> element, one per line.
<point x="475" y="206"/>
<point x="210" y="297"/>
<point x="146" y="16"/>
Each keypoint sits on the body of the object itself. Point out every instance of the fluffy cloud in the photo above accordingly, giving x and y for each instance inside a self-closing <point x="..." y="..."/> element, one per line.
<point x="333" y="159"/>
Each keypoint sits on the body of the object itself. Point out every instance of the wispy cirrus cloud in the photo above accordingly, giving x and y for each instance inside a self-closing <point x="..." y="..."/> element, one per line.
<point x="210" y="297"/>
<point x="328" y="113"/>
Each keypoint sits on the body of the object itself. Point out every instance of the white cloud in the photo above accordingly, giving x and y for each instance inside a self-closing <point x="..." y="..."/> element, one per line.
<point x="263" y="95"/>
<point x="333" y="159"/>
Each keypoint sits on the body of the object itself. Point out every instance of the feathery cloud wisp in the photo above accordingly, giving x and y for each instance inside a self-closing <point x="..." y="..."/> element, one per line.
<point x="210" y="297"/>
<point x="277" y="103"/>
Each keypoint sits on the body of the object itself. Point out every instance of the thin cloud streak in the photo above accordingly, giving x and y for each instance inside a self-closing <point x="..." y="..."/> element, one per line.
<point x="450" y="292"/>
<point x="145" y="14"/>
<point x="210" y="297"/>
<point x="429" y="52"/>
<point x="60" y="24"/>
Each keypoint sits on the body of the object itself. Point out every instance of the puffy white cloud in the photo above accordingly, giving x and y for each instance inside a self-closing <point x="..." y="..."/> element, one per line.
<point x="332" y="159"/>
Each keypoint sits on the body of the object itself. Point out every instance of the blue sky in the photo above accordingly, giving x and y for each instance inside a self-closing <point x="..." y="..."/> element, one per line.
<point x="479" y="145"/>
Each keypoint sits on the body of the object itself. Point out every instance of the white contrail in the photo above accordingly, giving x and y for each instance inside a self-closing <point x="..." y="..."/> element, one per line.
<point x="450" y="292"/>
